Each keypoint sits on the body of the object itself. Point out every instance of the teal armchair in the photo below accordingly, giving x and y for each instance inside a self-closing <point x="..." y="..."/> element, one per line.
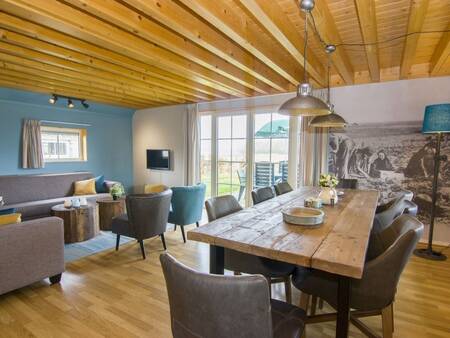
<point x="187" y="206"/>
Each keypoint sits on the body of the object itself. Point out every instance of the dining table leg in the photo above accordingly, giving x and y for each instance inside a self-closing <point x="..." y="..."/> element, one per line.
<point x="343" y="307"/>
<point x="216" y="260"/>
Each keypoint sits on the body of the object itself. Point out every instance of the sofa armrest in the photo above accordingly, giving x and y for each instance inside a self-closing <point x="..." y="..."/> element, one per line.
<point x="30" y="251"/>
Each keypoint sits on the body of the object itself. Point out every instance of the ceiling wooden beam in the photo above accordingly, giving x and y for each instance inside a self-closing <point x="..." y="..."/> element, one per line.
<point x="73" y="22"/>
<point x="237" y="26"/>
<point x="166" y="80"/>
<point x="180" y="20"/>
<point x="368" y="26"/>
<point x="441" y="53"/>
<point x="328" y="31"/>
<point x="417" y="12"/>
<point x="128" y="19"/>
<point x="270" y="15"/>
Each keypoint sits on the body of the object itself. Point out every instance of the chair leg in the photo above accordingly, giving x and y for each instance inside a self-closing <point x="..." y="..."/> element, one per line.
<point x="288" y="289"/>
<point x="55" y="279"/>
<point x="237" y="273"/>
<point x="182" y="232"/>
<point x="141" y="243"/>
<point x="175" y="227"/>
<point x="117" y="242"/>
<point x="386" y="320"/>
<point x="304" y="301"/>
<point x="163" y="240"/>
<point x="196" y="223"/>
<point x="320" y="303"/>
<point x="313" y="305"/>
<point x="269" y="281"/>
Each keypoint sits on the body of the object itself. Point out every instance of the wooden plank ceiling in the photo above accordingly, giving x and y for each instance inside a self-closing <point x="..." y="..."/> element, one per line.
<point x="145" y="53"/>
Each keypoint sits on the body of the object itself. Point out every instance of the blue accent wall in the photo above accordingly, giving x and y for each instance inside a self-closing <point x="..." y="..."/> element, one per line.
<point x="109" y="138"/>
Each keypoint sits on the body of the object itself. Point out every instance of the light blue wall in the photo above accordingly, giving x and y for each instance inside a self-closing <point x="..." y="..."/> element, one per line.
<point x="109" y="137"/>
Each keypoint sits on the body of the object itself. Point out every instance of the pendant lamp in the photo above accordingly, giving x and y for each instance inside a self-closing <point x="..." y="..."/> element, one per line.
<point x="332" y="120"/>
<point x="304" y="103"/>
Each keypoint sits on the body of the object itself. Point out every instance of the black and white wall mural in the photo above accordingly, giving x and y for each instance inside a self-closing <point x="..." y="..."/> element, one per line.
<point x="391" y="157"/>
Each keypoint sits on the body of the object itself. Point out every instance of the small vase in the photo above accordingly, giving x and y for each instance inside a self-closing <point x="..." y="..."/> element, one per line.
<point x="327" y="195"/>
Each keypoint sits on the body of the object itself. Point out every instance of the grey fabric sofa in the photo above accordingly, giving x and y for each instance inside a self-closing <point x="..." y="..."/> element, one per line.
<point x="34" y="195"/>
<point x="31" y="251"/>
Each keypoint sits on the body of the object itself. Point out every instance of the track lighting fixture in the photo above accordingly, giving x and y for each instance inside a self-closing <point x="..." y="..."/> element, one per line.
<point x="70" y="100"/>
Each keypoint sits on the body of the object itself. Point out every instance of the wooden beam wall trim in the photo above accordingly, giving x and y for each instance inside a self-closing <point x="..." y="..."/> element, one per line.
<point x="56" y="61"/>
<point x="271" y="17"/>
<point x="191" y="27"/>
<point x="76" y="23"/>
<point x="417" y="13"/>
<point x="47" y="90"/>
<point x="117" y="14"/>
<point x="327" y="29"/>
<point x="239" y="28"/>
<point x="368" y="26"/>
<point x="42" y="33"/>
<point x="441" y="53"/>
<point x="44" y="47"/>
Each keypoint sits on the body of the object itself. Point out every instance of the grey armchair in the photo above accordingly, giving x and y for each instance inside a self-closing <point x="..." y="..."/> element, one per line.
<point x="375" y="292"/>
<point x="282" y="188"/>
<point x="274" y="271"/>
<point x="146" y="217"/>
<point x="226" y="306"/>
<point x="386" y="213"/>
<point x="262" y="194"/>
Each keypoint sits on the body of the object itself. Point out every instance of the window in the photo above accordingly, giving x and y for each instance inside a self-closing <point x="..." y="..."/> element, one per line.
<point x="271" y="149"/>
<point x="63" y="144"/>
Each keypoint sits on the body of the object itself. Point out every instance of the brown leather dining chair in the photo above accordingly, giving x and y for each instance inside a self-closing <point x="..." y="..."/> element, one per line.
<point x="218" y="306"/>
<point x="239" y="262"/>
<point x="146" y="217"/>
<point x="375" y="292"/>
<point x="262" y="194"/>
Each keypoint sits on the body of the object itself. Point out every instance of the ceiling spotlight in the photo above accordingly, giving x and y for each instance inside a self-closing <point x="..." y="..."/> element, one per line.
<point x="70" y="103"/>
<point x="53" y="99"/>
<point x="85" y="105"/>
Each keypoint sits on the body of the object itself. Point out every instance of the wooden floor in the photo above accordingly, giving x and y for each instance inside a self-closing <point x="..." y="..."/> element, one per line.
<point x="117" y="294"/>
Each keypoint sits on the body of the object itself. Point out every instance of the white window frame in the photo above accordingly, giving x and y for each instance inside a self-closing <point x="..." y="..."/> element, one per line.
<point x="82" y="137"/>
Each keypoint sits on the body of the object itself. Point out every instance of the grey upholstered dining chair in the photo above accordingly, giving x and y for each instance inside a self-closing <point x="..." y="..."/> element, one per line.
<point x="386" y="213"/>
<point x="239" y="262"/>
<point x="282" y="188"/>
<point x="347" y="183"/>
<point x="262" y="194"/>
<point x="374" y="293"/>
<point x="217" y="306"/>
<point x="146" y="217"/>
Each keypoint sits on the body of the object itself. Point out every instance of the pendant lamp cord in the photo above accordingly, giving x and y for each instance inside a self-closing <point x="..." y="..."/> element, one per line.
<point x="305" y="47"/>
<point x="328" y="77"/>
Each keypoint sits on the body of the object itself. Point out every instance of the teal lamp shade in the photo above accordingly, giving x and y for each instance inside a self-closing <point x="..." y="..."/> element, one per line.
<point x="436" y="119"/>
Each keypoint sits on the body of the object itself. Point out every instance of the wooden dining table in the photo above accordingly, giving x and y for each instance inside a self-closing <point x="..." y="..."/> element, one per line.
<point x="338" y="246"/>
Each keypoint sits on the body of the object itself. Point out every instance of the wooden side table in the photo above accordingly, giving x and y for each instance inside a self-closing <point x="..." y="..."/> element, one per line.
<point x="108" y="209"/>
<point x="79" y="223"/>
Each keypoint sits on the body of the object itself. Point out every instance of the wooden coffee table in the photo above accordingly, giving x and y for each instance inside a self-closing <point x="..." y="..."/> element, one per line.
<point x="79" y="223"/>
<point x="108" y="209"/>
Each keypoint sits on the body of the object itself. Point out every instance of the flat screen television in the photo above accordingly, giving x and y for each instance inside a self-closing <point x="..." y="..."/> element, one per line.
<point x="158" y="159"/>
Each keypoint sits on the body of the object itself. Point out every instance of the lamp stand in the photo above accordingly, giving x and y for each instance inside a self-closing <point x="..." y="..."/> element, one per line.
<point x="428" y="253"/>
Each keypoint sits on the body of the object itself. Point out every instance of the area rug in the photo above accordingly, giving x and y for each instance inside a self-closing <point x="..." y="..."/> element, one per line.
<point x="103" y="241"/>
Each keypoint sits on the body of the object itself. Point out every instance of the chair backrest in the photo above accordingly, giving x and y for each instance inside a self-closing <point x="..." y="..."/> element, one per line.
<point x="264" y="174"/>
<point x="148" y="213"/>
<point x="203" y="305"/>
<point x="378" y="285"/>
<point x="242" y="176"/>
<point x="385" y="218"/>
<point x="221" y="206"/>
<point x="262" y="194"/>
<point x="154" y="188"/>
<point x="282" y="188"/>
<point x="348" y="183"/>
<point x="187" y="204"/>
<point x="284" y="169"/>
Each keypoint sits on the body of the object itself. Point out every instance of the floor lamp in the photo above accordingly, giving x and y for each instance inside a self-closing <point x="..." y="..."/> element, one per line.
<point x="436" y="121"/>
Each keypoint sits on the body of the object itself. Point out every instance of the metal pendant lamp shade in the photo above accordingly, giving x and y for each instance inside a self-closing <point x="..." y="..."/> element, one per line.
<point x="332" y="120"/>
<point x="304" y="104"/>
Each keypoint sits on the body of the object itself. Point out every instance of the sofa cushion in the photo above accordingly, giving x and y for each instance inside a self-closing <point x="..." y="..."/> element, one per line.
<point x="7" y="211"/>
<point x="10" y="219"/>
<point x="23" y="188"/>
<point x="100" y="184"/>
<point x="85" y="187"/>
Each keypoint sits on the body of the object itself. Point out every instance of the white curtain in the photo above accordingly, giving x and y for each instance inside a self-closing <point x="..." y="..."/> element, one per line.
<point x="32" y="156"/>
<point x="313" y="159"/>
<point x="193" y="144"/>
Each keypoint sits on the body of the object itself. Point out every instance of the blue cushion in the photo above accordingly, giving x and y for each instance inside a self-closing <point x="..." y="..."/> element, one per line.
<point x="8" y="211"/>
<point x="100" y="184"/>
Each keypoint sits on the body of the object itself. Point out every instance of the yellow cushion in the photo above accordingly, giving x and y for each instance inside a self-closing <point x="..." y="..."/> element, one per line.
<point x="86" y="187"/>
<point x="154" y="188"/>
<point x="10" y="218"/>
